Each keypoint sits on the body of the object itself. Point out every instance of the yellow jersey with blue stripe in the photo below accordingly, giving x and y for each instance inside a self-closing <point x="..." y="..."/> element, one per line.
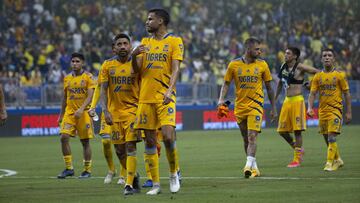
<point x="123" y="88"/>
<point x="156" y="68"/>
<point x="249" y="80"/>
<point x="330" y="86"/>
<point x="76" y="89"/>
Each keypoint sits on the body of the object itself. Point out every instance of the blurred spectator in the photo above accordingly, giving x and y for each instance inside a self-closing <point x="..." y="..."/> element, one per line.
<point x="39" y="33"/>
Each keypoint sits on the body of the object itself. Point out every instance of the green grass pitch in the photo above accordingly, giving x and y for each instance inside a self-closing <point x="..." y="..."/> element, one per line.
<point x="211" y="164"/>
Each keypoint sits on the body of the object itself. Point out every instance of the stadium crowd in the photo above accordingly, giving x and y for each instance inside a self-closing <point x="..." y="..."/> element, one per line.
<point x="37" y="36"/>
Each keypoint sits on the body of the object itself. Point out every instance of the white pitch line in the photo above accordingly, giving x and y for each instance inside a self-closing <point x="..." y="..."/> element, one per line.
<point x="7" y="173"/>
<point x="206" y="178"/>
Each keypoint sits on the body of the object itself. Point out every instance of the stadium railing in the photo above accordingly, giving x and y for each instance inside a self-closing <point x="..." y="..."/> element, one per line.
<point x="50" y="95"/>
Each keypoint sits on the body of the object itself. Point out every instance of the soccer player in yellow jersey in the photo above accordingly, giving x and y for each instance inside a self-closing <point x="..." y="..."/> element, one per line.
<point x="293" y="113"/>
<point x="3" y="114"/>
<point x="158" y="60"/>
<point x="105" y="131"/>
<point x="78" y="90"/>
<point x="331" y="84"/>
<point x="119" y="101"/>
<point x="249" y="73"/>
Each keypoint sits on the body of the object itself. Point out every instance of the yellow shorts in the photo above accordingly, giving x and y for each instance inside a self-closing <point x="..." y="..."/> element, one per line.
<point x="292" y="115"/>
<point x="332" y="124"/>
<point x="105" y="129"/>
<point x="253" y="121"/>
<point x="150" y="116"/>
<point x="82" y="127"/>
<point x="124" y="131"/>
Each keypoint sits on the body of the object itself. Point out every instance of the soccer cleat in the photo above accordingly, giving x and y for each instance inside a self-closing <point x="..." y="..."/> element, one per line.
<point x="121" y="181"/>
<point x="85" y="174"/>
<point x="179" y="175"/>
<point x="328" y="167"/>
<point x="136" y="183"/>
<point x="128" y="190"/>
<point x="109" y="177"/>
<point x="293" y="164"/>
<point x="247" y="172"/>
<point x="65" y="173"/>
<point x="154" y="190"/>
<point x="147" y="183"/>
<point x="339" y="162"/>
<point x="255" y="172"/>
<point x="174" y="183"/>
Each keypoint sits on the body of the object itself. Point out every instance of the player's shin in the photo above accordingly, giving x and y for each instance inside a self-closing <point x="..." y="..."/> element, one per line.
<point x="68" y="161"/>
<point x="332" y="148"/>
<point x="131" y="162"/>
<point x="172" y="156"/>
<point x="152" y="158"/>
<point x="108" y="154"/>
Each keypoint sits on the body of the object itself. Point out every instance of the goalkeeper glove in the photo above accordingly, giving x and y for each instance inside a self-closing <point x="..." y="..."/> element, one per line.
<point x="223" y="110"/>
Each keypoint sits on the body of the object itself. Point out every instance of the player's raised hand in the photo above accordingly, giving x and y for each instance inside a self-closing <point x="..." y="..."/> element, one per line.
<point x="138" y="50"/>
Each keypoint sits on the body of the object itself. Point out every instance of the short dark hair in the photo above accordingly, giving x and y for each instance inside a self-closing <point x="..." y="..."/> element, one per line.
<point x="295" y="51"/>
<point x="162" y="13"/>
<point x="251" y="41"/>
<point x="119" y="36"/>
<point x="328" y="49"/>
<point x="77" y="55"/>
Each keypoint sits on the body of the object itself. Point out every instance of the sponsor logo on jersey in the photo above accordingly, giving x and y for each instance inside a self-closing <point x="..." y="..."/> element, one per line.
<point x="160" y="57"/>
<point x="166" y="48"/>
<point x="249" y="79"/>
<point x="112" y="71"/>
<point x="256" y="71"/>
<point x="170" y="110"/>
<point x="82" y="83"/>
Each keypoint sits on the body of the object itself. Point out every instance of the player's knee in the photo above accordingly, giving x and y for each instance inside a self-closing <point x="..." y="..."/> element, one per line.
<point x="64" y="138"/>
<point x="120" y="151"/>
<point x="252" y="138"/>
<point x="150" y="150"/>
<point x="106" y="141"/>
<point x="150" y="142"/>
<point x="170" y="144"/>
<point x="130" y="147"/>
<point x="331" y="138"/>
<point x="85" y="142"/>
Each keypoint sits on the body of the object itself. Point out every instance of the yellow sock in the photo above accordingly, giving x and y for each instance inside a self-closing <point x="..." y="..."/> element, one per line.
<point x="331" y="152"/>
<point x="176" y="155"/>
<point x="171" y="157"/>
<point x="68" y="162"/>
<point x="87" y="165"/>
<point x="153" y="161"/>
<point x="147" y="169"/>
<point x="131" y="169"/>
<point x="123" y="171"/>
<point x="107" y="150"/>
<point x="297" y="154"/>
<point x="337" y="154"/>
